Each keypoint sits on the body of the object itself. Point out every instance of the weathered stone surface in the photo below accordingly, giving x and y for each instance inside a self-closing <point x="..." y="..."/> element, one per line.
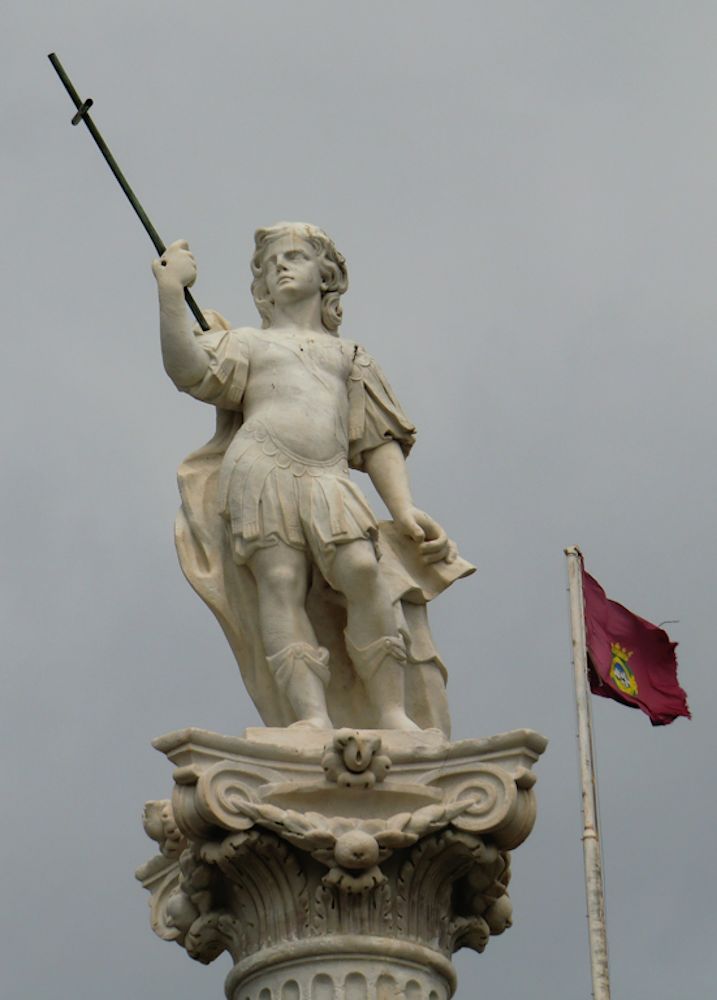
<point x="325" y="608"/>
<point x="327" y="862"/>
<point x="338" y="864"/>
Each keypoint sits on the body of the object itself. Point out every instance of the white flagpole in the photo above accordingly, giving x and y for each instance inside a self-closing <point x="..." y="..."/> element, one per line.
<point x="594" y="888"/>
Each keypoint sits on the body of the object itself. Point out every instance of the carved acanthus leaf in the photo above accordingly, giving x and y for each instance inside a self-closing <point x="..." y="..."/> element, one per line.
<point x="160" y="826"/>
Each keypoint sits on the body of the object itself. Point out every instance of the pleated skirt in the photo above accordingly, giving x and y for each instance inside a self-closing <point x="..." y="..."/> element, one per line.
<point x="271" y="494"/>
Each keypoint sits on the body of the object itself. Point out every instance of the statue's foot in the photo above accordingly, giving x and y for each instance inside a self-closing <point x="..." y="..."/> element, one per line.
<point x="397" y="719"/>
<point x="321" y="722"/>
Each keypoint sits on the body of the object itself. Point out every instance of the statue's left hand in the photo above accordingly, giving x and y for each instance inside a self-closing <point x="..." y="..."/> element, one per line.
<point x="434" y="543"/>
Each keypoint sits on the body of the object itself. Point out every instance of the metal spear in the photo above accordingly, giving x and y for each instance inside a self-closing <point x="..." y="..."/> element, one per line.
<point x="82" y="115"/>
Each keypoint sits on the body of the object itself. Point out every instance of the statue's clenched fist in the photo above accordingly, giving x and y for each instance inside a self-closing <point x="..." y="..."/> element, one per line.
<point x="176" y="265"/>
<point x="434" y="543"/>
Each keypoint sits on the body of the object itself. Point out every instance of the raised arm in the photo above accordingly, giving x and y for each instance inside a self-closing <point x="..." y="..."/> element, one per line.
<point x="387" y="468"/>
<point x="184" y="360"/>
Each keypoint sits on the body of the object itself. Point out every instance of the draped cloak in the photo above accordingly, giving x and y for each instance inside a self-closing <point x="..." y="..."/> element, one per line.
<point x="206" y="556"/>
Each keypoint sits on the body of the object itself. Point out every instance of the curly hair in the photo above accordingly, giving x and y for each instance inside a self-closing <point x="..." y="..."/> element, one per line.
<point x="332" y="266"/>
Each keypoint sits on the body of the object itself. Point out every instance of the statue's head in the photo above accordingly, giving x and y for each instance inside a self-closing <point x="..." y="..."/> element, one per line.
<point x="332" y="266"/>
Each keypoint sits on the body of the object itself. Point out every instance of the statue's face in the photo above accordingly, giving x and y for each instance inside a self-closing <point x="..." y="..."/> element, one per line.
<point x="291" y="268"/>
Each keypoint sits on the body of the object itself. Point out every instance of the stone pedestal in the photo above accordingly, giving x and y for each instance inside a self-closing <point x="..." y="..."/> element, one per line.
<point x="344" y="865"/>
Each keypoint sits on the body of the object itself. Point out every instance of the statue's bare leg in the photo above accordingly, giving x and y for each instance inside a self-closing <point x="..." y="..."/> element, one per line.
<point x="377" y="650"/>
<point x="298" y="663"/>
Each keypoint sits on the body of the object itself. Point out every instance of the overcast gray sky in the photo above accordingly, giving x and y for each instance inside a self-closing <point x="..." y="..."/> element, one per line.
<point x="525" y="193"/>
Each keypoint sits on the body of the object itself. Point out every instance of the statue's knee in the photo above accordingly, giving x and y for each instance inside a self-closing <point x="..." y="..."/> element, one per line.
<point x="282" y="582"/>
<point x="361" y="571"/>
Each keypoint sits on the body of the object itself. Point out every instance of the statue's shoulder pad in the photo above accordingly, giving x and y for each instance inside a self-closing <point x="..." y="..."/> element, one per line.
<point x="361" y="356"/>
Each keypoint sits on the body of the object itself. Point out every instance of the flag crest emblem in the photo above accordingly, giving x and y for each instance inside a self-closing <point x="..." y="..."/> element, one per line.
<point x="620" y="672"/>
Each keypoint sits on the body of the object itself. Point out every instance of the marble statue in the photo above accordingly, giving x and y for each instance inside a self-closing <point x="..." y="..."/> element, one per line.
<point x="324" y="607"/>
<point x="347" y="848"/>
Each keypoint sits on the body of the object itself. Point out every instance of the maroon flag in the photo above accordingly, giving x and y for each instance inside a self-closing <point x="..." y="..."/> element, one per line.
<point x="630" y="659"/>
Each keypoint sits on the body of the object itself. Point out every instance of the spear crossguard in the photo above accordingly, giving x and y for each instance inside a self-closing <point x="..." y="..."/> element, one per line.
<point x="82" y="115"/>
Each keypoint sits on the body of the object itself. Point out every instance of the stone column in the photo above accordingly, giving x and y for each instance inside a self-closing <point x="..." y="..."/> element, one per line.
<point x="343" y="865"/>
